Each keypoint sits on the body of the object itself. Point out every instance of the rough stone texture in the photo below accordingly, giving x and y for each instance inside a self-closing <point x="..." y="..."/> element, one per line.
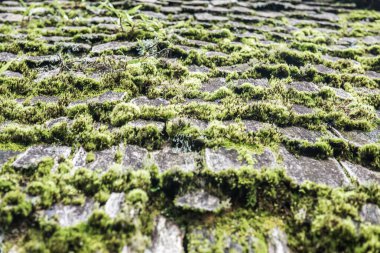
<point x="44" y="99"/>
<point x="222" y="159"/>
<point x="302" y="110"/>
<point x="213" y="84"/>
<point x="74" y="48"/>
<point x="40" y="61"/>
<point x="299" y="133"/>
<point x="71" y="215"/>
<point x="324" y="70"/>
<point x="255" y="82"/>
<point x="5" y="57"/>
<point x="109" y="97"/>
<point x="111" y="46"/>
<point x="276" y="58"/>
<point x="327" y="172"/>
<point x="5" y="155"/>
<point x="372" y="74"/>
<point x="210" y="18"/>
<point x="134" y="157"/>
<point x="342" y="94"/>
<point x="79" y="159"/>
<point x="53" y="39"/>
<point x="34" y="155"/>
<point x="103" y="159"/>
<point x="360" y="173"/>
<point x="240" y="68"/>
<point x="141" y="101"/>
<point x="266" y="159"/>
<point x="198" y="69"/>
<point x="114" y="204"/>
<point x="167" y="237"/>
<point x="361" y="138"/>
<point x="53" y="122"/>
<point x="10" y="18"/>
<point x="199" y="201"/>
<point x="231" y="241"/>
<point x="371" y="40"/>
<point x="277" y="242"/>
<point x="210" y="54"/>
<point x="47" y="74"/>
<point x="170" y="159"/>
<point x="370" y="213"/>
<point x="11" y="74"/>
<point x="304" y="86"/>
<point x="255" y="126"/>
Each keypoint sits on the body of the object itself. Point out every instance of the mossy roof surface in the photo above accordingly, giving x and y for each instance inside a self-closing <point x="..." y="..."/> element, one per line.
<point x="190" y="126"/>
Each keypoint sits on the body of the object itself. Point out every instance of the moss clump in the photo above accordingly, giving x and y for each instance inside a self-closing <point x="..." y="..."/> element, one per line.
<point x="297" y="58"/>
<point x="86" y="181"/>
<point x="69" y="240"/>
<point x="137" y="195"/>
<point x="148" y="136"/>
<point x="123" y="113"/>
<point x="46" y="190"/>
<point x="370" y="155"/>
<point x="90" y="157"/>
<point x="321" y="150"/>
<point x="45" y="166"/>
<point x="279" y="71"/>
<point x="14" y="208"/>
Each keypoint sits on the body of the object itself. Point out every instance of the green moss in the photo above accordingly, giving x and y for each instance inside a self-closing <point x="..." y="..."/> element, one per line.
<point x="280" y="71"/>
<point x="90" y="157"/>
<point x="14" y="208"/>
<point x="250" y="91"/>
<point x="123" y="113"/>
<point x="102" y="197"/>
<point x="99" y="220"/>
<point x="45" y="166"/>
<point x="12" y="146"/>
<point x="160" y="113"/>
<point x="148" y="136"/>
<point x="114" y="180"/>
<point x="118" y="156"/>
<point x="219" y="94"/>
<point x="297" y="58"/>
<point x="86" y="181"/>
<point x="321" y="150"/>
<point x="316" y="218"/>
<point x="137" y="196"/>
<point x="305" y="46"/>
<point x="369" y="236"/>
<point x="370" y="155"/>
<point x="69" y="240"/>
<point x="230" y="232"/>
<point x="46" y="190"/>
<point x="7" y="185"/>
<point x="141" y="179"/>
<point x="35" y="247"/>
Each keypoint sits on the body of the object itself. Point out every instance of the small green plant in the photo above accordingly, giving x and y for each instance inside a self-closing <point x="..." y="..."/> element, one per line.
<point x="125" y="17"/>
<point x="5" y="67"/>
<point x="132" y="23"/>
<point x="58" y="7"/>
<point x="27" y="13"/>
<point x="147" y="47"/>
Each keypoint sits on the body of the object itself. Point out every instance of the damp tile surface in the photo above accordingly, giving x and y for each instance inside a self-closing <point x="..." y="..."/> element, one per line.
<point x="170" y="126"/>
